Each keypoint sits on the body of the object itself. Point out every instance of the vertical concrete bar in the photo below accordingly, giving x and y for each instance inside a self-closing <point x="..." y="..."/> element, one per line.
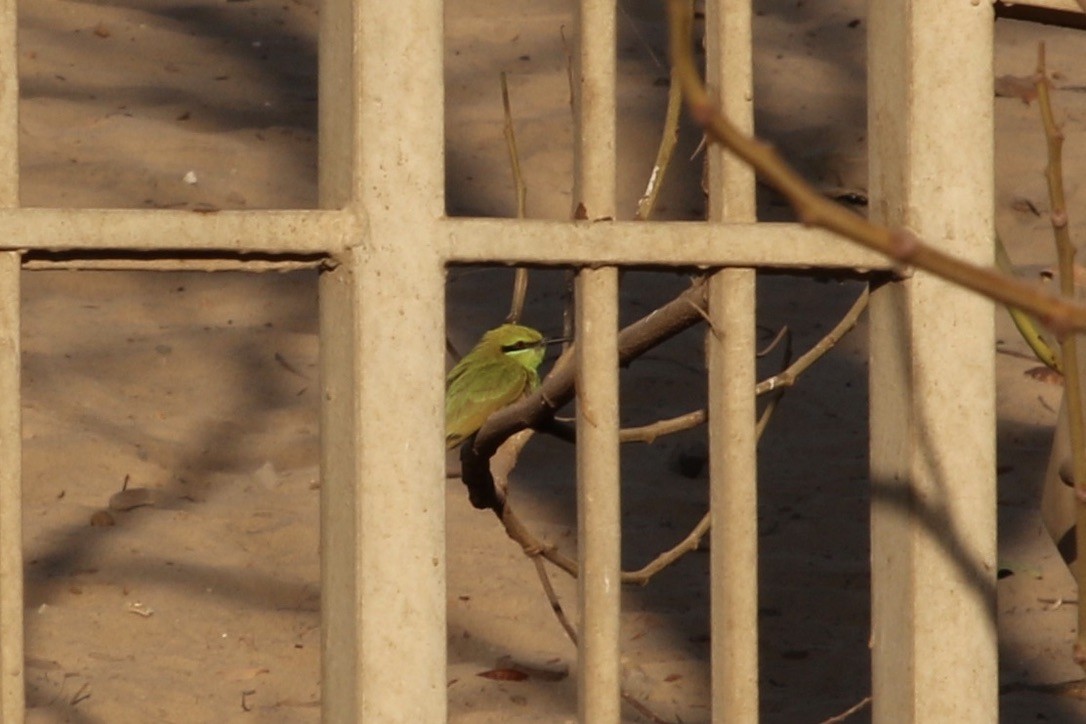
<point x="594" y="75"/>
<point x="382" y="528"/>
<point x="9" y="106"/>
<point x="733" y="465"/>
<point x="599" y="519"/>
<point x="12" y="679"/>
<point x="341" y="617"/>
<point x="11" y="536"/>
<point x="733" y="473"/>
<point x="382" y="317"/>
<point x="932" y="368"/>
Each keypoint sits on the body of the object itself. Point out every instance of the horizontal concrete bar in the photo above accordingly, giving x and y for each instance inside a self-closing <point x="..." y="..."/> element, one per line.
<point x="111" y="232"/>
<point x="679" y="243"/>
<point x="157" y="230"/>
<point x="132" y="261"/>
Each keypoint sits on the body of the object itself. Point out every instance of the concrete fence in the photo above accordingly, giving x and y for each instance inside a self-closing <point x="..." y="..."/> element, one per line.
<point x="383" y="242"/>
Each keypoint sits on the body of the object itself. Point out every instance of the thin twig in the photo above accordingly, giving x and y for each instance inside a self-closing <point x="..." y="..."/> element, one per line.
<point x="569" y="275"/>
<point x="1065" y="252"/>
<point x="511" y="146"/>
<point x="552" y="598"/>
<point x="520" y="291"/>
<point x="776" y="394"/>
<point x="784" y="334"/>
<point x="688" y="544"/>
<point x="568" y="50"/>
<point x="452" y="350"/>
<point x="520" y="278"/>
<point x="649" y="433"/>
<point x="704" y="314"/>
<point x="815" y="210"/>
<point x="849" y="712"/>
<point x="788" y="377"/>
<point x="646" y="205"/>
<point x="640" y="37"/>
<point x="1075" y="689"/>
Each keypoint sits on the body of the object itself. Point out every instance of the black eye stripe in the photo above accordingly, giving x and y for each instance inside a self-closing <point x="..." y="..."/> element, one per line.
<point x="517" y="346"/>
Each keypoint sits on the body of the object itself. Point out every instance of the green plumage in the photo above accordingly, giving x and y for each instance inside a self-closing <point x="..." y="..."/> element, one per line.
<point x="498" y="371"/>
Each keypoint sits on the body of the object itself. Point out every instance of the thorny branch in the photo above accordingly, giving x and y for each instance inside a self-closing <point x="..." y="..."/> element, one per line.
<point x="1065" y="252"/>
<point x="815" y="210"/>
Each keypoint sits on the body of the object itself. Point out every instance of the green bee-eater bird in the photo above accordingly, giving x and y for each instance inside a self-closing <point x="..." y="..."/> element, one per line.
<point x="498" y="371"/>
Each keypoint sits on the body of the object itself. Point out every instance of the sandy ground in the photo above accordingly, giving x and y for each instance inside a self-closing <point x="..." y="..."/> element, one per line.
<point x="204" y="607"/>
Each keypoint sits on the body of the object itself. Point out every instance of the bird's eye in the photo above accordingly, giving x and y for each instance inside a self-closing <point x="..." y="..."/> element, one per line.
<point x="517" y="346"/>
